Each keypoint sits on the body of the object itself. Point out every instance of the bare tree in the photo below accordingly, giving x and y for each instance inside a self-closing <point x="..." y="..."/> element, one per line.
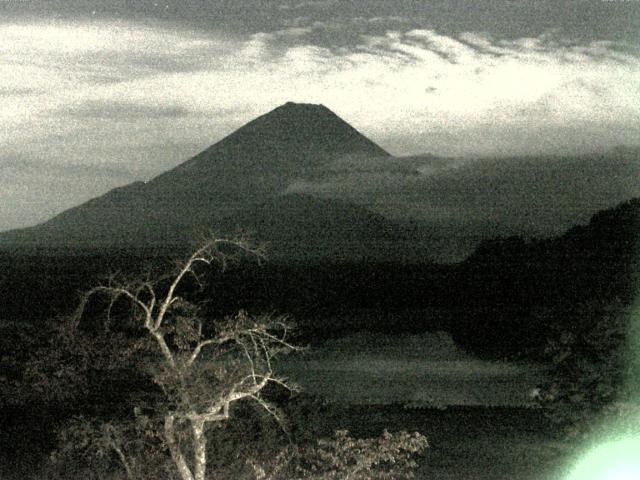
<point x="203" y="366"/>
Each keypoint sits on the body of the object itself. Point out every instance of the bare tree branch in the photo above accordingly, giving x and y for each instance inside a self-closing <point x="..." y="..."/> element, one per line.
<point x="242" y="349"/>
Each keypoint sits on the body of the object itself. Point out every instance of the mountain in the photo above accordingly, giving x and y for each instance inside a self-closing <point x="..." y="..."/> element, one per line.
<point x="250" y="166"/>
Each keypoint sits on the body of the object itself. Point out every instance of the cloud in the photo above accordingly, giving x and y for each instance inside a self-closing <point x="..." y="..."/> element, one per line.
<point x="482" y="198"/>
<point x="55" y="65"/>
<point x="74" y="183"/>
<point x="471" y="94"/>
<point x="312" y="4"/>
<point x="11" y="165"/>
<point x="124" y="111"/>
<point x="16" y="91"/>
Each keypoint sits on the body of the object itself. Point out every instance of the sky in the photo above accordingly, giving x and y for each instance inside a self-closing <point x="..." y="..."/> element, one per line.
<point x="94" y="95"/>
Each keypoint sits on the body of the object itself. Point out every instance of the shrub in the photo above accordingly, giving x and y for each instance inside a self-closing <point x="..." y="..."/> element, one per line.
<point x="589" y="365"/>
<point x="387" y="457"/>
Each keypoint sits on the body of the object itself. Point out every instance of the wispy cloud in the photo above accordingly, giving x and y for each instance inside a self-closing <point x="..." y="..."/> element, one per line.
<point x="313" y="4"/>
<point x="123" y="111"/>
<point x="16" y="91"/>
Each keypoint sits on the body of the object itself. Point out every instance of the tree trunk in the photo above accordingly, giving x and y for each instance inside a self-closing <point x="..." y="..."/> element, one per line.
<point x="124" y="462"/>
<point x="200" y="449"/>
<point x="174" y="448"/>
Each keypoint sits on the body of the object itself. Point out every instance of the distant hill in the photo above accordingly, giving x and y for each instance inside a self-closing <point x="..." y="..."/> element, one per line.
<point x="517" y="288"/>
<point x="251" y="166"/>
<point x="582" y="257"/>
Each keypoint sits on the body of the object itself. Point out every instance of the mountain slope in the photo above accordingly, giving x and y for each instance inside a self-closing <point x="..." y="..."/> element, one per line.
<point x="302" y="227"/>
<point x="251" y="165"/>
<point x="292" y="136"/>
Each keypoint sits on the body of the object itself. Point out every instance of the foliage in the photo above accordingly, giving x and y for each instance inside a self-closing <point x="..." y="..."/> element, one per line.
<point x="67" y="368"/>
<point x="133" y="445"/>
<point x="387" y="457"/>
<point x="589" y="364"/>
<point x="201" y="366"/>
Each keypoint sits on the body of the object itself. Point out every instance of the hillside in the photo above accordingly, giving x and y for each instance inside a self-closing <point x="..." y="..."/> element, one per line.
<point x="300" y="227"/>
<point x="517" y="289"/>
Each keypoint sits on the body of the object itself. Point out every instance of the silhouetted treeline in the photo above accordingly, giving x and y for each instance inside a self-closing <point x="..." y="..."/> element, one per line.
<point x="501" y="301"/>
<point x="517" y="292"/>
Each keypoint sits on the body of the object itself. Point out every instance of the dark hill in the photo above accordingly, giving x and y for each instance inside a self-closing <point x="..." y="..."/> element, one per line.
<point x="518" y="289"/>
<point x="252" y="165"/>
<point x="594" y="260"/>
